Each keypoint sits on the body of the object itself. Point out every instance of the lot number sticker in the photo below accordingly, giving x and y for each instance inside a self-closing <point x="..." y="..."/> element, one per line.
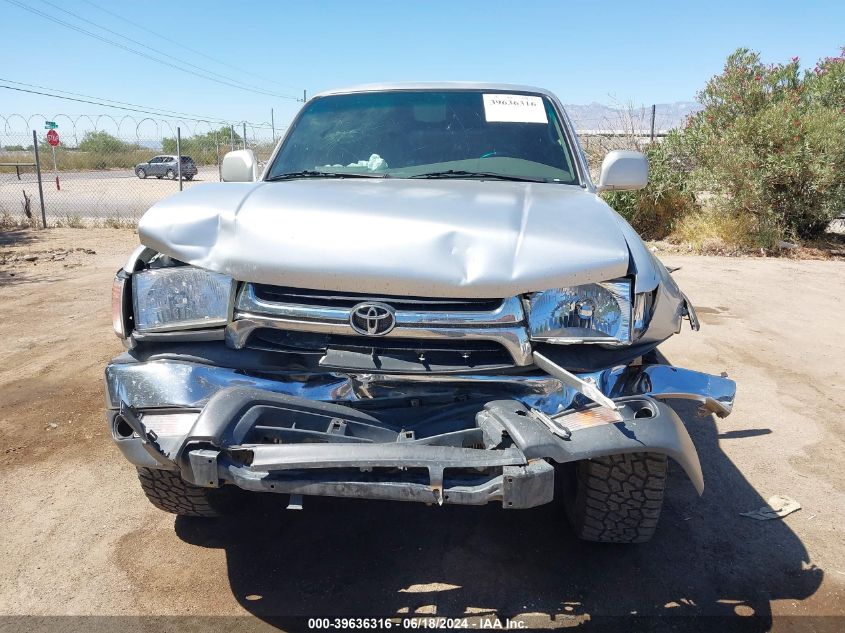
<point x="514" y="109"/>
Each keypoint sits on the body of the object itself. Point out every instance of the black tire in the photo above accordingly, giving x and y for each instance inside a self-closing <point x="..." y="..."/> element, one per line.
<point x="167" y="491"/>
<point x="189" y="177"/>
<point x="617" y="498"/>
<point x="170" y="174"/>
<point x="141" y="173"/>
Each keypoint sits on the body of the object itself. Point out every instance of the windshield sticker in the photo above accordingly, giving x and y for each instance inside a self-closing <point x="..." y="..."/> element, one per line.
<point x="514" y="109"/>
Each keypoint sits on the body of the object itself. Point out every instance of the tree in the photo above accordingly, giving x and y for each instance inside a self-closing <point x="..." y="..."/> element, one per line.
<point x="100" y="142"/>
<point x="203" y="147"/>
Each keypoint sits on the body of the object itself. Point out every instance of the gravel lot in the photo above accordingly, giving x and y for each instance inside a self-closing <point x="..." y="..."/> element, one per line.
<point x="77" y="536"/>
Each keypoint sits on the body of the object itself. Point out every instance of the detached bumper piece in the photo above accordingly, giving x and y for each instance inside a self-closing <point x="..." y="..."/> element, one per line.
<point x="268" y="442"/>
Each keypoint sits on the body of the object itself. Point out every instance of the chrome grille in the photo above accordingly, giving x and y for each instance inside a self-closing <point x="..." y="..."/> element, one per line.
<point x="321" y="298"/>
<point x="421" y="323"/>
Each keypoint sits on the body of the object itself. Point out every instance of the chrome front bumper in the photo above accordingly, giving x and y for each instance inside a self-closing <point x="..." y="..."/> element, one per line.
<point x="170" y="384"/>
<point x="199" y="417"/>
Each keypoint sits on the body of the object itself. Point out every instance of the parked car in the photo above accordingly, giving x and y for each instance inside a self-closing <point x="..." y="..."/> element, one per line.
<point x="422" y="298"/>
<point x="165" y="166"/>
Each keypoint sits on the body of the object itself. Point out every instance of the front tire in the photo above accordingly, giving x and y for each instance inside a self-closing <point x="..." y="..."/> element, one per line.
<point x="141" y="173"/>
<point x="616" y="498"/>
<point x="171" y="174"/>
<point x="167" y="491"/>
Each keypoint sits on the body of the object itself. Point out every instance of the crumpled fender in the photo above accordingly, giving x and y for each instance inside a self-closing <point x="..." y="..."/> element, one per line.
<point x="661" y="432"/>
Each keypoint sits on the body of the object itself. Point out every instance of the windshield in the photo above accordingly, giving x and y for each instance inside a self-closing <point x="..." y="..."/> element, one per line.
<point x="428" y="134"/>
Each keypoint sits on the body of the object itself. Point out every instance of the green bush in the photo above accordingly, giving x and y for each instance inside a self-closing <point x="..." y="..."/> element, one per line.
<point x="203" y="148"/>
<point x="653" y="211"/>
<point x="770" y="144"/>
<point x="767" y="152"/>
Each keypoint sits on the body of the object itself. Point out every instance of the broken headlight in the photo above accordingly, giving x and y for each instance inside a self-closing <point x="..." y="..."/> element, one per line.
<point x="592" y="313"/>
<point x="180" y="298"/>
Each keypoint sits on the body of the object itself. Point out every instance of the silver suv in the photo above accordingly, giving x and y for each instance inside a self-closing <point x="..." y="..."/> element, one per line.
<point x="422" y="298"/>
<point x="165" y="166"/>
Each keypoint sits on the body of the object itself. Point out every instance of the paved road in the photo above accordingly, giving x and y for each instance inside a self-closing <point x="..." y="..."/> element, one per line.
<point x="92" y="194"/>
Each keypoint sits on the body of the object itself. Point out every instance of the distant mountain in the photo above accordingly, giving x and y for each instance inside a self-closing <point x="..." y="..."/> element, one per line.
<point x="597" y="117"/>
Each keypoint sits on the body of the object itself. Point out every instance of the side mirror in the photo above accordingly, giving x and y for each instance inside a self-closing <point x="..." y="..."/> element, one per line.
<point x="239" y="166"/>
<point x="623" y="170"/>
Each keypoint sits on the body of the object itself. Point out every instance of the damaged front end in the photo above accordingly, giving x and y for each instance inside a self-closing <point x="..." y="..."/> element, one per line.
<point x="458" y="439"/>
<point x="230" y="384"/>
<point x="435" y="400"/>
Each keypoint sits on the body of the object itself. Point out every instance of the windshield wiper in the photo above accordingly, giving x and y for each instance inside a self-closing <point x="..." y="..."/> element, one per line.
<point x="460" y="173"/>
<point x="313" y="173"/>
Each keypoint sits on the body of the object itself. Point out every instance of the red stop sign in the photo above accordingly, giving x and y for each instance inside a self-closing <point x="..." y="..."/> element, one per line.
<point x="53" y="137"/>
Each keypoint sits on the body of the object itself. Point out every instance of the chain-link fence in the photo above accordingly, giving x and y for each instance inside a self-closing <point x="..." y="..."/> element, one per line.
<point x="108" y="172"/>
<point x="602" y="129"/>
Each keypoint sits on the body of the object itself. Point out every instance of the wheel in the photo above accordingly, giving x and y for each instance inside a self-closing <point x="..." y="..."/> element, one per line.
<point x="189" y="177"/>
<point x="167" y="491"/>
<point x="614" y="499"/>
<point x="170" y="174"/>
<point x="141" y="173"/>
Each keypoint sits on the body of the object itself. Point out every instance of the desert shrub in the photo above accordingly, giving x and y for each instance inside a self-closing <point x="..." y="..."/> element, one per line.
<point x="708" y="230"/>
<point x="70" y="221"/>
<point x="117" y="222"/>
<point x="668" y="196"/>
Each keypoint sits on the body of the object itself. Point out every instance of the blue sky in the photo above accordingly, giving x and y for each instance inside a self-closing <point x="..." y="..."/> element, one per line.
<point x="642" y="52"/>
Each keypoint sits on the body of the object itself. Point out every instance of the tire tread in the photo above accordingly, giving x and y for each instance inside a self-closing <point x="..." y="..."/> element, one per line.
<point x="167" y="491"/>
<point x="618" y="498"/>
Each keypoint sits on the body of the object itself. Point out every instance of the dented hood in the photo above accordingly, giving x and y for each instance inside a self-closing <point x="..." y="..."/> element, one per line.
<point x="444" y="238"/>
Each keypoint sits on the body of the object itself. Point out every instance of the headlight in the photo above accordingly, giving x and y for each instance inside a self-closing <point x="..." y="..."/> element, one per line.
<point x="593" y="313"/>
<point x="180" y="298"/>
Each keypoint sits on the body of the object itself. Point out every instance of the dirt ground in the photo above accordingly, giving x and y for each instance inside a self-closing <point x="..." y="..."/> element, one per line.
<point x="77" y="536"/>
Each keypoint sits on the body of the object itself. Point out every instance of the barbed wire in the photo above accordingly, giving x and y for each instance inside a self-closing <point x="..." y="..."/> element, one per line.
<point x="128" y="126"/>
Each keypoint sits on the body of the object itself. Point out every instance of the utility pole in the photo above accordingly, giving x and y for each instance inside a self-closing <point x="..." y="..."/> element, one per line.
<point x="273" y="125"/>
<point x="179" y="156"/>
<point x="244" y="134"/>
<point x="217" y="152"/>
<point x="232" y="136"/>
<point x="304" y="96"/>
<point x="653" y="113"/>
<point x="40" y="187"/>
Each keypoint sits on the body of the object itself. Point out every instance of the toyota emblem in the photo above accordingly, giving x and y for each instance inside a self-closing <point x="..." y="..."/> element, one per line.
<point x="372" y="319"/>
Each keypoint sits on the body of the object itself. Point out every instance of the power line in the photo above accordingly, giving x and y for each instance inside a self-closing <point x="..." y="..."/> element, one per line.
<point x="181" y="45"/>
<point x="129" y="109"/>
<point x="159" y="111"/>
<point x="141" y="53"/>
<point x="148" y="48"/>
